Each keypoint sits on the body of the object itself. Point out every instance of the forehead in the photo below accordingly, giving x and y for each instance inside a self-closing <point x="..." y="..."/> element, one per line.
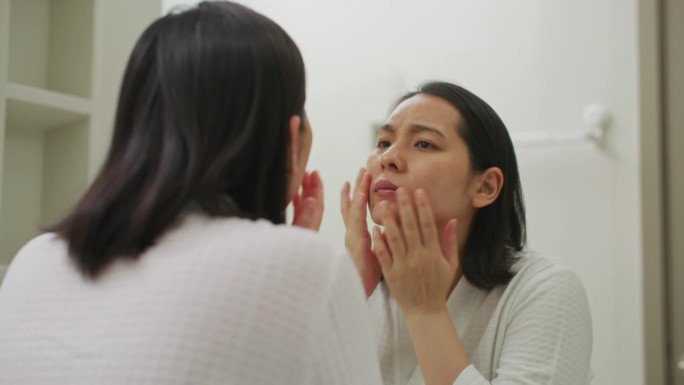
<point x="427" y="110"/>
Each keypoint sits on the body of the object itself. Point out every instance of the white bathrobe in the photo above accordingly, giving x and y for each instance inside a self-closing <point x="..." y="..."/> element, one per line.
<point x="215" y="301"/>
<point x="535" y="330"/>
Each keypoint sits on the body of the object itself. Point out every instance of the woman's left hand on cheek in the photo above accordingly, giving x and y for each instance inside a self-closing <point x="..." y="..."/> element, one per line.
<point x="308" y="203"/>
<point x="417" y="271"/>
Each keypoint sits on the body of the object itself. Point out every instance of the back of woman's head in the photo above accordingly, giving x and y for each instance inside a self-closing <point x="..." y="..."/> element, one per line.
<point x="497" y="232"/>
<point x="201" y="123"/>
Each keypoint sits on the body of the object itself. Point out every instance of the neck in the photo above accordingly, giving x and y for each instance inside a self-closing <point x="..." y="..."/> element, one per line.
<point x="462" y="232"/>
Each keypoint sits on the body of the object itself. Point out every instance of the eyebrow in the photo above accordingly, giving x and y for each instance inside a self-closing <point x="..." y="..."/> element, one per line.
<point x="413" y="128"/>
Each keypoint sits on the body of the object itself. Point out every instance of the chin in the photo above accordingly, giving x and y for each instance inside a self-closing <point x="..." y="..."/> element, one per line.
<point x="375" y="215"/>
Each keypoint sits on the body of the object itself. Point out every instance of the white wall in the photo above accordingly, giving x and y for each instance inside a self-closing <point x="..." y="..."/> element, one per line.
<point x="538" y="63"/>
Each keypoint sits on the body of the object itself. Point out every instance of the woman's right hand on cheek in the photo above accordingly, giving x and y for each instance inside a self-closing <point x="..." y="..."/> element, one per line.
<point x="357" y="237"/>
<point x="419" y="269"/>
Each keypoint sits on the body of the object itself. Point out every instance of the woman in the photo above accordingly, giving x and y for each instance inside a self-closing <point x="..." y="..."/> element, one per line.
<point x="175" y="267"/>
<point x="461" y="301"/>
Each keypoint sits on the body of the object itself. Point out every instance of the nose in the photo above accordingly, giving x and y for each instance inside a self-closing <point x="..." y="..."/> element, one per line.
<point x="391" y="159"/>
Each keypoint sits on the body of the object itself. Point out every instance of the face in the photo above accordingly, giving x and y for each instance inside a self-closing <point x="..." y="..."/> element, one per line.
<point x="419" y="147"/>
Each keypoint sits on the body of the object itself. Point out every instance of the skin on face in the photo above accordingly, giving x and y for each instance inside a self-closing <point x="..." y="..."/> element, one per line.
<point x="419" y="147"/>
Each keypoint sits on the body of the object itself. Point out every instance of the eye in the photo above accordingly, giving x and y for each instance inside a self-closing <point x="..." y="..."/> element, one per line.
<point x="383" y="144"/>
<point x="424" y="145"/>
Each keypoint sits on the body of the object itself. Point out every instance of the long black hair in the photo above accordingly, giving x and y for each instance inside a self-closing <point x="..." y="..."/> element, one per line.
<point x="498" y="231"/>
<point x="202" y="122"/>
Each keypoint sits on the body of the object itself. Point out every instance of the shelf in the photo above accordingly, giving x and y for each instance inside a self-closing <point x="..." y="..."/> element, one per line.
<point x="48" y="98"/>
<point x="37" y="110"/>
<point x="44" y="173"/>
<point x="60" y="66"/>
<point x="45" y="160"/>
<point x="50" y="44"/>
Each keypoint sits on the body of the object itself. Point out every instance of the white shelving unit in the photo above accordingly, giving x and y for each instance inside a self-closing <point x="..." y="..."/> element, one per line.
<point x="57" y="61"/>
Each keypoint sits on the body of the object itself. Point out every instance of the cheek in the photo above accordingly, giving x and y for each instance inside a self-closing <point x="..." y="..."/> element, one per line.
<point x="448" y="197"/>
<point x="372" y="163"/>
<point x="375" y="212"/>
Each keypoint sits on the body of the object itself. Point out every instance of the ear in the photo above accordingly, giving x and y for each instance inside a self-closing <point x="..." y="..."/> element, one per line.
<point x="293" y="149"/>
<point x="487" y="187"/>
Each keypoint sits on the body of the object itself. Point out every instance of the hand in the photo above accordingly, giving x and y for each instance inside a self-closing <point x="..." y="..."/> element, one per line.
<point x="357" y="239"/>
<point x="417" y="270"/>
<point x="308" y="203"/>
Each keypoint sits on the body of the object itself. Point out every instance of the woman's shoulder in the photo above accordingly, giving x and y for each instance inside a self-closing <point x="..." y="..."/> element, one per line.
<point x="46" y="242"/>
<point x="255" y="242"/>
<point x="531" y="265"/>
<point x="42" y="241"/>
<point x="45" y="252"/>
<point x="543" y="278"/>
<point x="259" y="232"/>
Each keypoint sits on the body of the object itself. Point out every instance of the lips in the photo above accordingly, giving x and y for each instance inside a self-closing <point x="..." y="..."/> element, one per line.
<point x="385" y="188"/>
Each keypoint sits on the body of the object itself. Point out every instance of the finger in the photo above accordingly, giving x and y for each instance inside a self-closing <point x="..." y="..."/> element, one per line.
<point x="305" y="214"/>
<point x="315" y="210"/>
<point x="316" y="186"/>
<point x="409" y="223"/>
<point x="360" y="211"/>
<point x="426" y="220"/>
<point x="393" y="234"/>
<point x="381" y="251"/>
<point x="365" y="183"/>
<point x="450" y="244"/>
<point x="345" y="202"/>
<point x="301" y="190"/>
<point x="295" y="200"/>
<point x="362" y="187"/>
<point x="359" y="176"/>
<point x="305" y="184"/>
<point x="360" y="202"/>
<point x="317" y="199"/>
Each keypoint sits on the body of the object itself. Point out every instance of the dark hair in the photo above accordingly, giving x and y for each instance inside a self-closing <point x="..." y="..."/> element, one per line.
<point x="498" y="230"/>
<point x="202" y="122"/>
